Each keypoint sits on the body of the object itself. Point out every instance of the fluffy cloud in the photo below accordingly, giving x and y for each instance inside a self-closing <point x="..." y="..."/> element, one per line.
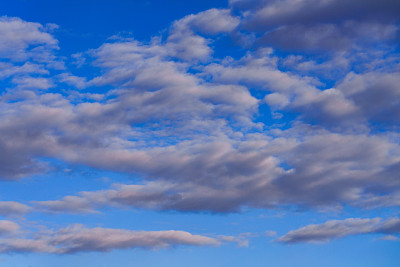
<point x="289" y="91"/>
<point x="184" y="43"/>
<point x="21" y="40"/>
<point x="376" y="93"/>
<point x="190" y="126"/>
<point x="28" y="54"/>
<point x="334" y="229"/>
<point x="357" y="99"/>
<point x="333" y="170"/>
<point x="212" y="21"/>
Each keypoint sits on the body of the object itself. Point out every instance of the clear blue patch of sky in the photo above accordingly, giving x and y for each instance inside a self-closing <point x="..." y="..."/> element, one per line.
<point x="89" y="23"/>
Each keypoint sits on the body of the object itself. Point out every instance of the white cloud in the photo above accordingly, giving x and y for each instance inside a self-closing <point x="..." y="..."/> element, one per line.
<point x="190" y="129"/>
<point x="17" y="36"/>
<point x="212" y="21"/>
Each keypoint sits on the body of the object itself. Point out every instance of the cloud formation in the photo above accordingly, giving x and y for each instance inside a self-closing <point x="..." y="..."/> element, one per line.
<point x="320" y="233"/>
<point x="193" y="137"/>
<point x="8" y="227"/>
<point x="334" y="170"/>
<point x="263" y="14"/>
<point x="200" y="132"/>
<point x="22" y="40"/>
<point x="12" y="208"/>
<point x="77" y="238"/>
<point x="318" y="26"/>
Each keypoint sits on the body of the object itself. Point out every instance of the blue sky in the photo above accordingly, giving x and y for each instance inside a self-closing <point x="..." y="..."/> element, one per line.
<point x="200" y="133"/>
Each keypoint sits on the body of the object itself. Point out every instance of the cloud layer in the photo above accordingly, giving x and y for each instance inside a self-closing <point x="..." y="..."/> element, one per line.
<point x="303" y="113"/>
<point x="195" y="137"/>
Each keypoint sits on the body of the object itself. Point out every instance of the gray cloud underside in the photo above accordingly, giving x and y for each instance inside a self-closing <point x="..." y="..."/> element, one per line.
<point x="262" y="14"/>
<point x="317" y="26"/>
<point x="320" y="233"/>
<point x="219" y="178"/>
<point x="12" y="208"/>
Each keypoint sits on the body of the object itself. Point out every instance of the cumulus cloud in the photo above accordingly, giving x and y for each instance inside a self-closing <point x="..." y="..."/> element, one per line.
<point x="376" y="93"/>
<point x="78" y="82"/>
<point x="31" y="83"/>
<point x="212" y="21"/>
<point x="189" y="127"/>
<point x="357" y="99"/>
<point x="160" y="88"/>
<point x="195" y="129"/>
<point x="289" y="91"/>
<point x="319" y="233"/>
<point x="184" y="43"/>
<point x="28" y="54"/>
<point x="28" y="68"/>
<point x="333" y="170"/>
<point x="193" y="177"/>
<point x="20" y="39"/>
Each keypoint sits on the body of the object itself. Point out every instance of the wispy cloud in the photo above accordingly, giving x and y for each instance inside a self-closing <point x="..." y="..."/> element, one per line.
<point x="320" y="233"/>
